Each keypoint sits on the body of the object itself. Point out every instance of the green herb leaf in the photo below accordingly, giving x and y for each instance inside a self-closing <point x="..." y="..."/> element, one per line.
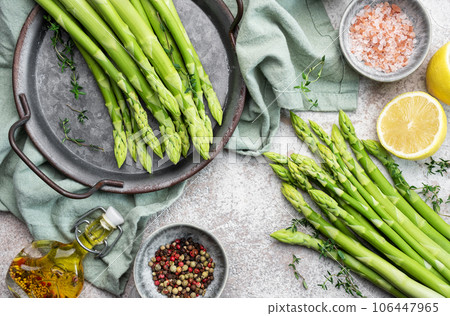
<point x="342" y="279"/>
<point x="65" y="125"/>
<point x="303" y="87"/>
<point x="64" y="51"/>
<point x="431" y="193"/>
<point x="440" y="165"/>
<point x="297" y="275"/>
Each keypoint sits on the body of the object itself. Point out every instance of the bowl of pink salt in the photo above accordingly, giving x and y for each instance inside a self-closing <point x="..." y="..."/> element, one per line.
<point x="385" y="40"/>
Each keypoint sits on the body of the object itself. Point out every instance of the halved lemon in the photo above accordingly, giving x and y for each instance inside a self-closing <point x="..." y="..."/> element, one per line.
<point x="438" y="74"/>
<point x="412" y="126"/>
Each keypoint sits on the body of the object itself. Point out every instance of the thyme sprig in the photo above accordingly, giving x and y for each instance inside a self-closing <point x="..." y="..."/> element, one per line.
<point x="342" y="279"/>
<point x="298" y="276"/>
<point x="431" y="193"/>
<point x="305" y="83"/>
<point x="76" y="88"/>
<point x="302" y="222"/>
<point x="328" y="246"/>
<point x="441" y="166"/>
<point x="65" y="125"/>
<point x="82" y="117"/>
<point x="65" y="53"/>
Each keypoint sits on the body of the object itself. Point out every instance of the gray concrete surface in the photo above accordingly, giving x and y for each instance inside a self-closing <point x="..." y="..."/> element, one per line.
<point x="238" y="198"/>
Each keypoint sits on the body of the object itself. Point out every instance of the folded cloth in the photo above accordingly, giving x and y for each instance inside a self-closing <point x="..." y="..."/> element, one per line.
<point x="278" y="40"/>
<point x="47" y="214"/>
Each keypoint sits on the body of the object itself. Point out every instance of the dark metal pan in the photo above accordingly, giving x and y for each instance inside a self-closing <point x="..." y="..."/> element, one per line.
<point x="41" y="93"/>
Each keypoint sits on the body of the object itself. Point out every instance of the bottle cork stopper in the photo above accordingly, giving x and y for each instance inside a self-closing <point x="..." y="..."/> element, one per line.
<point x="113" y="217"/>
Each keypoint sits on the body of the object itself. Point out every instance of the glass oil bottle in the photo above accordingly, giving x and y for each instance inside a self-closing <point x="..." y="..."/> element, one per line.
<point x="48" y="268"/>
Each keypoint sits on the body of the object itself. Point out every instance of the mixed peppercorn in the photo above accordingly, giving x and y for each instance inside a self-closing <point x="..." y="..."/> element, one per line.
<point x="182" y="268"/>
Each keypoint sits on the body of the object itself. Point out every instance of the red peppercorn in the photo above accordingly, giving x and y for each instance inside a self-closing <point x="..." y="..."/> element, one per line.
<point x="177" y="256"/>
<point x="205" y="280"/>
<point x="48" y="284"/>
<point x="190" y="269"/>
<point x="178" y="247"/>
<point x="177" y="241"/>
<point x="202" y="248"/>
<point x="161" y="276"/>
<point x="192" y="253"/>
<point x="196" y="270"/>
<point x="156" y="283"/>
<point x="180" y="264"/>
<point x="209" y="265"/>
<point x="172" y="258"/>
<point x="158" y="259"/>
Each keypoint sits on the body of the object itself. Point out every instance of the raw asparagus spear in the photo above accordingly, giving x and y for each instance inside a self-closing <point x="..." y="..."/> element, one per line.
<point x="390" y="273"/>
<point x="375" y="149"/>
<point x="283" y="174"/>
<point x="141" y="150"/>
<point x="304" y="133"/>
<point x="375" y="174"/>
<point x="302" y="239"/>
<point x="213" y="101"/>
<point x="166" y="40"/>
<point x="277" y="158"/>
<point x="188" y="52"/>
<point x="126" y="119"/>
<point x="164" y="67"/>
<point x="140" y="9"/>
<point x="151" y="18"/>
<point x="120" y="137"/>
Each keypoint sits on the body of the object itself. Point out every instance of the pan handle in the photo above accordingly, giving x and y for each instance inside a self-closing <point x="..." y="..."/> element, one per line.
<point x="234" y="26"/>
<point x="25" y="115"/>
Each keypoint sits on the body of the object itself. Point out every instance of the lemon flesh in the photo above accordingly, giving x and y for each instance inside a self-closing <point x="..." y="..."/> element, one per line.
<point x="412" y="126"/>
<point x="438" y="74"/>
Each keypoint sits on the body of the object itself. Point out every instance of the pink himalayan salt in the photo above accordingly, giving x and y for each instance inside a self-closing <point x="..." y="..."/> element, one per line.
<point x="382" y="37"/>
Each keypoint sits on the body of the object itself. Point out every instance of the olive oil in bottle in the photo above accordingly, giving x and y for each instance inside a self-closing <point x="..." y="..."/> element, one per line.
<point x="48" y="268"/>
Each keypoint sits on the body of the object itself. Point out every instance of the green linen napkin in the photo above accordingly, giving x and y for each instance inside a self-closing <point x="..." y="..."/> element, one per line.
<point x="278" y="40"/>
<point x="47" y="214"/>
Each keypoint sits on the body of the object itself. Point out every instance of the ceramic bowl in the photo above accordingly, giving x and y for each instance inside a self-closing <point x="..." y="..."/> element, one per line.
<point x="422" y="27"/>
<point x="143" y="273"/>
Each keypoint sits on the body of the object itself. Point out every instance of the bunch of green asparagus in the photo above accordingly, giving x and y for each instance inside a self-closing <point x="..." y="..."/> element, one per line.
<point x="139" y="50"/>
<point x="361" y="207"/>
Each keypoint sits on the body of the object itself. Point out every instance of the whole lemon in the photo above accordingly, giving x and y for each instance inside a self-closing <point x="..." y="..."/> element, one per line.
<point x="438" y="74"/>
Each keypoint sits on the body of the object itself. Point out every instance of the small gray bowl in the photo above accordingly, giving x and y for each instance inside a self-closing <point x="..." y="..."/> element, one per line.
<point x="422" y="27"/>
<point x="145" y="286"/>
